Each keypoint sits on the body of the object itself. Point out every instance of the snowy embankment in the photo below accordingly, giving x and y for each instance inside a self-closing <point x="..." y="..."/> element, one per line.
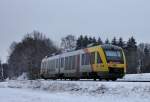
<point x="83" y="87"/>
<point x="78" y="90"/>
<point x="16" y="95"/>
<point x="137" y="77"/>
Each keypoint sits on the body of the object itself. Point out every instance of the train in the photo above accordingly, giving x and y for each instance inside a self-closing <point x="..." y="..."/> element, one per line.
<point x="106" y="62"/>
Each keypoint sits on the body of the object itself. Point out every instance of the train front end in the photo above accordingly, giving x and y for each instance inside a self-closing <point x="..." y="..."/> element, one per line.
<point x="115" y="61"/>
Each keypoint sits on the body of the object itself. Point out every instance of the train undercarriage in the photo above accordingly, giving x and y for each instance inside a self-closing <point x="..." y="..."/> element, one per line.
<point x="113" y="75"/>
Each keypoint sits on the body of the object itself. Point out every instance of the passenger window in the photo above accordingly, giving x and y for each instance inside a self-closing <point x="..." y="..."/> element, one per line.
<point x="56" y="63"/>
<point x="83" y="58"/>
<point x="87" y="62"/>
<point x="53" y="65"/>
<point x="70" y="59"/>
<point x="73" y="63"/>
<point x="66" y="63"/>
<point x="62" y="62"/>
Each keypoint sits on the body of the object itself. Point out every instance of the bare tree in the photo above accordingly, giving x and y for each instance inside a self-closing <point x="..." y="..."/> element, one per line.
<point x="12" y="47"/>
<point x="1" y="71"/>
<point x="27" y="55"/>
<point x="68" y="43"/>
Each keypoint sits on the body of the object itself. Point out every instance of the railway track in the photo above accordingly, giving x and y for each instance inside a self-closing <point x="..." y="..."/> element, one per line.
<point x="132" y="81"/>
<point x="91" y="80"/>
<point x="84" y="80"/>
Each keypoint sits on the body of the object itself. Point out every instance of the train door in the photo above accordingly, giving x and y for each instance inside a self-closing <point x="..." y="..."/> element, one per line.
<point x="99" y="64"/>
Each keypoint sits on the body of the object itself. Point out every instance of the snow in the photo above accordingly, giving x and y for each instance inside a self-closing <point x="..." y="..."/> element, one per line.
<point x="137" y="77"/>
<point x="76" y="91"/>
<point x="25" y="95"/>
<point x="16" y="95"/>
<point x="73" y="91"/>
<point x="23" y="77"/>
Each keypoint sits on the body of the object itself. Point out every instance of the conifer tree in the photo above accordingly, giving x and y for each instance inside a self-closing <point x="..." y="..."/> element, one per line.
<point x="90" y="40"/>
<point x="79" y="42"/>
<point x="99" y="41"/>
<point x="114" y="41"/>
<point x="131" y="44"/>
<point x="94" y="41"/>
<point x="121" y="43"/>
<point x="85" y="41"/>
<point x="146" y="51"/>
<point x="107" y="41"/>
<point x="132" y="55"/>
<point x="146" y="61"/>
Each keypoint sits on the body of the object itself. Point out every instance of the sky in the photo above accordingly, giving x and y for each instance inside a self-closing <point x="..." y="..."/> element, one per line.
<point x="58" y="18"/>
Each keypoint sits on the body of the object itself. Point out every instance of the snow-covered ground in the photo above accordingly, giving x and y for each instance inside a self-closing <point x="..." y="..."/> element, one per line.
<point x="75" y="91"/>
<point x="17" y="95"/>
<point x="137" y="77"/>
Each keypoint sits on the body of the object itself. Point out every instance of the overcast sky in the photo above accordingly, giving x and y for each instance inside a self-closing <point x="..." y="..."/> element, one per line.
<point x="57" y="18"/>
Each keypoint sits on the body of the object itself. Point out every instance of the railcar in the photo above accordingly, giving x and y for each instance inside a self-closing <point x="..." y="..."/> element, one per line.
<point x="99" y="62"/>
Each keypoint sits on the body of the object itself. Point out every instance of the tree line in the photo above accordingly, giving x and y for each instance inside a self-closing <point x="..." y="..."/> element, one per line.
<point x="25" y="56"/>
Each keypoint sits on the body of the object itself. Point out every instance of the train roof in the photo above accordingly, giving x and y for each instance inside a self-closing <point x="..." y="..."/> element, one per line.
<point x="110" y="47"/>
<point x="105" y="46"/>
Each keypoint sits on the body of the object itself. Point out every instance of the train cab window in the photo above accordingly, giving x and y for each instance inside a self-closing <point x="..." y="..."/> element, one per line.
<point x="92" y="58"/>
<point x="98" y="58"/>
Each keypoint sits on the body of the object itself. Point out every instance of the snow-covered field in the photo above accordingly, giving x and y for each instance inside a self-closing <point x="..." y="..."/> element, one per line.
<point x="137" y="77"/>
<point x="24" y="95"/>
<point x="17" y="95"/>
<point x="75" y="91"/>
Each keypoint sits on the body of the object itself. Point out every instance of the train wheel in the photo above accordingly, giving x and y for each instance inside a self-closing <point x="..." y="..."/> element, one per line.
<point x="94" y="79"/>
<point x="100" y="79"/>
<point x="76" y="79"/>
<point x="107" y="79"/>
